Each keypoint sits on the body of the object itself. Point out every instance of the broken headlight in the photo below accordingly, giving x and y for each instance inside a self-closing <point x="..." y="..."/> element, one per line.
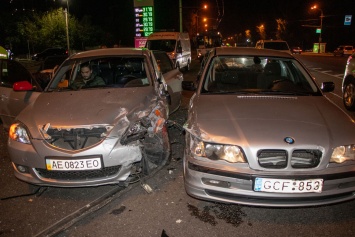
<point x="18" y="132"/>
<point x="136" y="131"/>
<point x="212" y="151"/>
<point x="343" y="153"/>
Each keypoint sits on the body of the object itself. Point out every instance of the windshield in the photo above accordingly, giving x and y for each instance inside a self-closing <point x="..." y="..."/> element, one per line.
<point x="251" y="74"/>
<point x="164" y="45"/>
<point x="77" y="74"/>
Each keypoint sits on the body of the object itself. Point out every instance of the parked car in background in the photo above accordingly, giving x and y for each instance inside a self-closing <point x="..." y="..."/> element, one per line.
<point x="280" y="45"/>
<point x="266" y="138"/>
<point x="106" y="133"/>
<point x="175" y="44"/>
<point x="348" y="84"/>
<point x="343" y="50"/>
<point x="296" y="50"/>
<point x="12" y="102"/>
<point x="47" y="69"/>
<point x="49" y="52"/>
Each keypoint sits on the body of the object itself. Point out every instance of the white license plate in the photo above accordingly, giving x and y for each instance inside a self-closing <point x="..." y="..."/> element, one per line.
<point x="80" y="164"/>
<point x="288" y="185"/>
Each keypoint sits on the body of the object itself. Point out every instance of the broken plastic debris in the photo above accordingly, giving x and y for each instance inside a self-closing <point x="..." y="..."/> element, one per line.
<point x="147" y="188"/>
<point x="178" y="221"/>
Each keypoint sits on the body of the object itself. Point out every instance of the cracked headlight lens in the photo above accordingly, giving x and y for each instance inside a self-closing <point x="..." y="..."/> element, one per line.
<point x="18" y="132"/>
<point x="343" y="153"/>
<point x="229" y="153"/>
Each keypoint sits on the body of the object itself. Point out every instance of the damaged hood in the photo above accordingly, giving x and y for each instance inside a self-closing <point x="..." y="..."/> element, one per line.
<point x="267" y="120"/>
<point x="87" y="108"/>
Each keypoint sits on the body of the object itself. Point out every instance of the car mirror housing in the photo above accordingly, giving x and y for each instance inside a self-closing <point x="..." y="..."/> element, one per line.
<point x="328" y="86"/>
<point x="22" y="86"/>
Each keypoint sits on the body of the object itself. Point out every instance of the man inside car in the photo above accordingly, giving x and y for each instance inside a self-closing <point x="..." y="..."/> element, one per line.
<point x="88" y="78"/>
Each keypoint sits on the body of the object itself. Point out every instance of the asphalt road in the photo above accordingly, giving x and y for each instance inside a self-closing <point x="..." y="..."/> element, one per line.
<point x="165" y="211"/>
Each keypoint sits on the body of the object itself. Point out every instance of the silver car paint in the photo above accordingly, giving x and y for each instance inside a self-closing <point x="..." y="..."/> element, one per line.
<point x="255" y="122"/>
<point x="112" y="108"/>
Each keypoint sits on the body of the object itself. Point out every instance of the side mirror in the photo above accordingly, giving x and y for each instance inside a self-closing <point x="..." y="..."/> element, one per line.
<point x="328" y="86"/>
<point x="188" y="85"/>
<point x="22" y="86"/>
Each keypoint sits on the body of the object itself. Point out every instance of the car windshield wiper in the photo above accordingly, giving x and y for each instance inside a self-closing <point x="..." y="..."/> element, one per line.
<point x="229" y="92"/>
<point x="270" y="92"/>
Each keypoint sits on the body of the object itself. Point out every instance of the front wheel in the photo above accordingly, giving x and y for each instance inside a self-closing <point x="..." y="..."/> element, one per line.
<point x="349" y="95"/>
<point x="156" y="151"/>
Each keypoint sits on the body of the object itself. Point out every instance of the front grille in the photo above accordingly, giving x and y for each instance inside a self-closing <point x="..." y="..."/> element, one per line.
<point x="74" y="138"/>
<point x="278" y="159"/>
<point x="275" y="159"/>
<point x="79" y="175"/>
<point x="305" y="158"/>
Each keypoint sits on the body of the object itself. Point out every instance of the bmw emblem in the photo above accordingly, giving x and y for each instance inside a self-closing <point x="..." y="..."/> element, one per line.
<point x="289" y="140"/>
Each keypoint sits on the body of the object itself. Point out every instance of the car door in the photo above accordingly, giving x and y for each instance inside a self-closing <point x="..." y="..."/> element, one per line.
<point x="13" y="102"/>
<point x="172" y="76"/>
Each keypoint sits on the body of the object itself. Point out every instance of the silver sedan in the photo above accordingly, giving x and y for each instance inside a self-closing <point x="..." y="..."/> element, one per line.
<point x="260" y="132"/>
<point x="102" y="119"/>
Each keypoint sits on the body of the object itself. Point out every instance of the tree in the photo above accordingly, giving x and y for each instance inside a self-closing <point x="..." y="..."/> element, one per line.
<point x="39" y="31"/>
<point x="281" y="28"/>
<point x="261" y="31"/>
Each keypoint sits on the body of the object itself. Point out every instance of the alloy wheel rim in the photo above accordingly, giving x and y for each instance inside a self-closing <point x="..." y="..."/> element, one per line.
<point x="349" y="94"/>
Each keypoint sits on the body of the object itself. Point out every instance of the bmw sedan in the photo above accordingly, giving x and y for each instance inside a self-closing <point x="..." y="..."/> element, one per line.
<point x="266" y="138"/>
<point x="102" y="119"/>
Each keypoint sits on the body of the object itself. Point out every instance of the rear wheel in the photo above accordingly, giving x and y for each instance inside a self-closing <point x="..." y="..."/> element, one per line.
<point x="349" y="95"/>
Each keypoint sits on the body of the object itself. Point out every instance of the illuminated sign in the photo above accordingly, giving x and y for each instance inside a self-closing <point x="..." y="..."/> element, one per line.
<point x="144" y="21"/>
<point x="347" y="20"/>
<point x="3" y="52"/>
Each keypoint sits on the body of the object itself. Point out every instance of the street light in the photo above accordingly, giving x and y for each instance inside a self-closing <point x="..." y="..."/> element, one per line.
<point x="321" y="25"/>
<point x="180" y="15"/>
<point x="66" y="12"/>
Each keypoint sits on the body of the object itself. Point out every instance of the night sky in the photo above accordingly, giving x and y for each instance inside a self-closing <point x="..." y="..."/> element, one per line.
<point x="117" y="16"/>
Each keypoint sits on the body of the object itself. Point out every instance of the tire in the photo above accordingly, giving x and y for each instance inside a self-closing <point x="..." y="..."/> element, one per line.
<point x="156" y="151"/>
<point x="349" y="94"/>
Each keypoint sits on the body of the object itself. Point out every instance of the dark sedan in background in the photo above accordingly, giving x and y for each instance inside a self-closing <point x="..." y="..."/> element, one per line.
<point x="49" y="52"/>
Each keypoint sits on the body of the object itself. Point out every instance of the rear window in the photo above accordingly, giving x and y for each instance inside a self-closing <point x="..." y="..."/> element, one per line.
<point x="276" y="45"/>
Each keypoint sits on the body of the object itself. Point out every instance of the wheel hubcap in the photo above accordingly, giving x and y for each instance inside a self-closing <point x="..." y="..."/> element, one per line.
<point x="349" y="95"/>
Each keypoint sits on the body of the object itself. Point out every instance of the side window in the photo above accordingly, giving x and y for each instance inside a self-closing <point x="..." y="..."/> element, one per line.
<point x="164" y="62"/>
<point x="12" y="71"/>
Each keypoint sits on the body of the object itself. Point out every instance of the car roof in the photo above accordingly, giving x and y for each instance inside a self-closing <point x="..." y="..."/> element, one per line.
<point x="111" y="52"/>
<point x="271" y="41"/>
<point x="251" y="52"/>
